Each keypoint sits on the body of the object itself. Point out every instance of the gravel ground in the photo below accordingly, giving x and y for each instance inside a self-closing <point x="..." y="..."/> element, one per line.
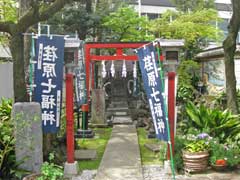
<point x="156" y="172"/>
<point x="86" y="175"/>
<point x="150" y="172"/>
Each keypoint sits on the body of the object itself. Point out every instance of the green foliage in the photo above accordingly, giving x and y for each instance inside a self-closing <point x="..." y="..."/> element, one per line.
<point x="188" y="71"/>
<point x="197" y="146"/>
<point x="194" y="27"/>
<point x="148" y="156"/>
<point x="232" y="157"/>
<point x="178" y="146"/>
<point x="197" y="143"/>
<point x="193" y="5"/>
<point x="74" y="18"/>
<point x="217" y="123"/>
<point x="7" y="154"/>
<point x="221" y="100"/>
<point x="218" y="151"/>
<point x="126" y="25"/>
<point x="229" y="152"/>
<point x="49" y="170"/>
<point x="8" y="12"/>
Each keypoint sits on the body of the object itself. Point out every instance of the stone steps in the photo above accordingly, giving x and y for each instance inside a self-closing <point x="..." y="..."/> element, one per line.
<point x="122" y="120"/>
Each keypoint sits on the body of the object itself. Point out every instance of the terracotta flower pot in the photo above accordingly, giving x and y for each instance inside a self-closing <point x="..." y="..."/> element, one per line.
<point x="195" y="161"/>
<point x="31" y="177"/>
<point x="220" y="167"/>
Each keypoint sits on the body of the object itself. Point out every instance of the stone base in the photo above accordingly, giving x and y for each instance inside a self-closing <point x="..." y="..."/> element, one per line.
<point x="70" y="169"/>
<point x="84" y="133"/>
<point x="85" y="154"/>
<point x="167" y="167"/>
<point x="151" y="135"/>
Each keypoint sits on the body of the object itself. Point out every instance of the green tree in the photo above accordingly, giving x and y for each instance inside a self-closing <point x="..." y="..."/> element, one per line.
<point x="193" y="5"/>
<point x="229" y="46"/>
<point x="38" y="11"/>
<point x="7" y="13"/>
<point x="194" y="27"/>
<point x="83" y="19"/>
<point x="126" y="25"/>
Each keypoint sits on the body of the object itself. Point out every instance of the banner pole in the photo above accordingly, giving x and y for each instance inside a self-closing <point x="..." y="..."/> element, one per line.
<point x="32" y="56"/>
<point x="166" y="111"/>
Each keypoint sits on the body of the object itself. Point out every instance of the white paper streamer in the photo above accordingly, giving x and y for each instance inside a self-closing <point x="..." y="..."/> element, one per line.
<point x="104" y="72"/>
<point x="112" y="69"/>
<point x="135" y="70"/>
<point x="124" y="69"/>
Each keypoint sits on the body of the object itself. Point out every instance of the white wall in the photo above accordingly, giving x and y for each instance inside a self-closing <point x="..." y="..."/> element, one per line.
<point x="6" y="80"/>
<point x="223" y="1"/>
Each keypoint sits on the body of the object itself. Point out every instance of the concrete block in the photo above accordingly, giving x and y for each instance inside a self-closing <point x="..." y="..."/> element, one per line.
<point x="70" y="169"/>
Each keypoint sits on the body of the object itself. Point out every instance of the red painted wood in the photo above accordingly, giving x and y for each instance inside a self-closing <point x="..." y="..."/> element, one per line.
<point x="92" y="76"/>
<point x="69" y="118"/>
<point x="119" y="52"/>
<point x="85" y="107"/>
<point x="112" y="58"/>
<point x="171" y="108"/>
<point x="115" y="45"/>
<point x="87" y="68"/>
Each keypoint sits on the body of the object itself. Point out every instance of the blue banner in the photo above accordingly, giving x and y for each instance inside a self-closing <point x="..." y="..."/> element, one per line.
<point x="48" y="74"/>
<point x="153" y="87"/>
<point x="80" y="85"/>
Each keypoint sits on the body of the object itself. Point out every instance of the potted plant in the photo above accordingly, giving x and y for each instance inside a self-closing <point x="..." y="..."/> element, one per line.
<point x="218" y="159"/>
<point x="196" y="153"/>
<point x="224" y="155"/>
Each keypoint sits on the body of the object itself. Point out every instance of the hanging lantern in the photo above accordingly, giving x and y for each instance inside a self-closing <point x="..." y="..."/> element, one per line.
<point x="135" y="70"/>
<point x="112" y="69"/>
<point x="124" y="69"/>
<point x="104" y="72"/>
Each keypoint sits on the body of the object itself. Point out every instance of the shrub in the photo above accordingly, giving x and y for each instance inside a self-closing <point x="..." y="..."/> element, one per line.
<point x="49" y="170"/>
<point x="7" y="141"/>
<point x="218" y="123"/>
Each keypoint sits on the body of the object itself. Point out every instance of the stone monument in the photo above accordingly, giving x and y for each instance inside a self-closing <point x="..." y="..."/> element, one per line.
<point x="98" y="106"/>
<point x="28" y="134"/>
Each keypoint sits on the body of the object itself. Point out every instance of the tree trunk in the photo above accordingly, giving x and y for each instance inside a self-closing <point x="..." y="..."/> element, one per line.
<point x="16" y="47"/>
<point x="229" y="46"/>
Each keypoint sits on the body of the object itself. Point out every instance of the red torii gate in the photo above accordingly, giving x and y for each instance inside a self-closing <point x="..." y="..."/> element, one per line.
<point x="119" y="46"/>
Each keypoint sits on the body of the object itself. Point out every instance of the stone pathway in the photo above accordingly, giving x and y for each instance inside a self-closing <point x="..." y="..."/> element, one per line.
<point x="121" y="159"/>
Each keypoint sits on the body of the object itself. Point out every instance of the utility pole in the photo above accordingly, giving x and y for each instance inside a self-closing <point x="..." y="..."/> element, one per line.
<point x="139" y="8"/>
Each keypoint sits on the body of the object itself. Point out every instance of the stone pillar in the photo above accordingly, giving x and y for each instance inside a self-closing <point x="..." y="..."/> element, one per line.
<point x="28" y="134"/>
<point x="98" y="106"/>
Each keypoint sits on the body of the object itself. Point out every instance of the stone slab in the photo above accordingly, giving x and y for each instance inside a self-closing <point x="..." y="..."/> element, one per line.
<point x="28" y="134"/>
<point x="85" y="154"/>
<point x="124" y="113"/>
<point x="91" y="125"/>
<point x="122" y="120"/>
<point x="121" y="159"/>
<point x="152" y="147"/>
